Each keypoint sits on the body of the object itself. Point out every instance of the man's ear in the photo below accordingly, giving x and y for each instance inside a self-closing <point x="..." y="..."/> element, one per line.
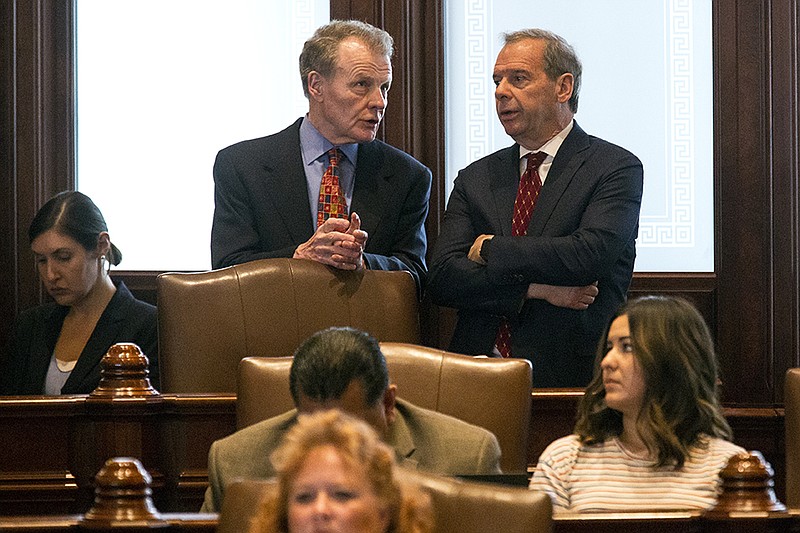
<point x="389" y="398"/>
<point x="564" y="87"/>
<point x="316" y="85"/>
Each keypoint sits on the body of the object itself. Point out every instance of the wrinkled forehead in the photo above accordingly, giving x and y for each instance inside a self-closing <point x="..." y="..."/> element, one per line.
<point x="525" y="54"/>
<point x="355" y="55"/>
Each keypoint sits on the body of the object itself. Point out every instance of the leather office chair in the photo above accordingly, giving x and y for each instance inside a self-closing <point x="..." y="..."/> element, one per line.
<point x="466" y="506"/>
<point x="241" y="502"/>
<point x="458" y="506"/>
<point x="792" y="436"/>
<point x="209" y="321"/>
<point x="491" y="393"/>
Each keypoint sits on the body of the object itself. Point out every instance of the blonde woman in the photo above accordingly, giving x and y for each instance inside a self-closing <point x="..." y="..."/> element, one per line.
<point x="335" y="475"/>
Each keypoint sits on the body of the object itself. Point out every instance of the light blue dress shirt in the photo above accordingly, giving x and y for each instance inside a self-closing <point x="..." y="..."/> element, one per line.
<point x="314" y="148"/>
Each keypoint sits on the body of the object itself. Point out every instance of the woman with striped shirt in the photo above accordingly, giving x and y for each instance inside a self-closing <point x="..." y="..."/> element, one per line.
<point x="650" y="433"/>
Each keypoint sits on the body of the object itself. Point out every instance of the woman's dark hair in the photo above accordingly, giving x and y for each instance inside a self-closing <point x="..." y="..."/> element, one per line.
<point x="75" y="215"/>
<point x="674" y="348"/>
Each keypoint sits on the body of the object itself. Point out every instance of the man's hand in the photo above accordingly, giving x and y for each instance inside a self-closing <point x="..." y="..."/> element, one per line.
<point x="475" y="250"/>
<point x="579" y="298"/>
<point x="360" y="237"/>
<point x="338" y="242"/>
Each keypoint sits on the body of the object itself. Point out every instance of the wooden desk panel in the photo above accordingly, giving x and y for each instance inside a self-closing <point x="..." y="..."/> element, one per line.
<point x="675" y="522"/>
<point x="552" y="416"/>
<point x="51" y="447"/>
<point x="36" y="455"/>
<point x="176" y="523"/>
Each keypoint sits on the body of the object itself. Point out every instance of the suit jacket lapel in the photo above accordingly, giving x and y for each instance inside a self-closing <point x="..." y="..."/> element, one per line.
<point x="400" y="439"/>
<point x="103" y="336"/>
<point x="568" y="160"/>
<point x="504" y="179"/>
<point x="372" y="187"/>
<point x="285" y="183"/>
<point x="45" y="336"/>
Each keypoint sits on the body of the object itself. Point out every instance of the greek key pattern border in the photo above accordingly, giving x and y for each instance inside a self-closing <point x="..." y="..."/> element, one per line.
<point x="677" y="226"/>
<point x="478" y="103"/>
<point x="303" y="25"/>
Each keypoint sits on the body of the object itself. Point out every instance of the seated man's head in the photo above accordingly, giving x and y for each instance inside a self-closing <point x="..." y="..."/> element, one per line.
<point x="343" y="368"/>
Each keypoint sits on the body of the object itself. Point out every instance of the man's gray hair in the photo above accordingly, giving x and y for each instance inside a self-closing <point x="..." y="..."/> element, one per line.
<point x="320" y="52"/>
<point x="559" y="57"/>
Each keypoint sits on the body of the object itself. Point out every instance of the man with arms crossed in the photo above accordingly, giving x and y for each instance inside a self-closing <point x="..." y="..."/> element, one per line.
<point x="541" y="286"/>
<point x="343" y="368"/>
<point x="324" y="189"/>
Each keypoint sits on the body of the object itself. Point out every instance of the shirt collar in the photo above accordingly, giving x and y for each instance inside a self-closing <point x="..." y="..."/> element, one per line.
<point x="313" y="145"/>
<point x="550" y="147"/>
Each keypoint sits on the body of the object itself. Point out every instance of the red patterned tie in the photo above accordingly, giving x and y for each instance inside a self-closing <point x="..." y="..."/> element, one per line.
<point x="529" y="185"/>
<point x="332" y="202"/>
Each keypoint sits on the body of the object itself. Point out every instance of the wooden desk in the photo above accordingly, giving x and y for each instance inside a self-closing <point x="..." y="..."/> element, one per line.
<point x="747" y="504"/>
<point x="51" y="447"/>
<point x="175" y="523"/>
<point x="675" y="522"/>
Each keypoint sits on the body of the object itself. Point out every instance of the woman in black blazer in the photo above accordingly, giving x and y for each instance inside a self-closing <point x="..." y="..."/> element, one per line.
<point x="57" y="347"/>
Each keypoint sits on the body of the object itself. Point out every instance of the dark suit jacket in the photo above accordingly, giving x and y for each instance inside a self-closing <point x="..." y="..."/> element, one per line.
<point x="583" y="229"/>
<point x="261" y="203"/>
<point x="125" y="319"/>
<point x="422" y="439"/>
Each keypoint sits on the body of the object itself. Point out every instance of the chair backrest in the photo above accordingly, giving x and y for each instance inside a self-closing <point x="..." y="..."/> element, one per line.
<point x="458" y="506"/>
<point x="491" y="393"/>
<point x="242" y="497"/>
<point x="792" y="437"/>
<point x="209" y="321"/>
<point x="469" y="507"/>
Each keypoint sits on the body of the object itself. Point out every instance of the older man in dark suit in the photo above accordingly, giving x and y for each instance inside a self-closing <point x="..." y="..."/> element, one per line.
<point x="538" y="242"/>
<point x="343" y="368"/>
<point x="324" y="189"/>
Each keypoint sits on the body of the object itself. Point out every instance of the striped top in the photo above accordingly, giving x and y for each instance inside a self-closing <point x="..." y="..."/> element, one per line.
<point x="606" y="477"/>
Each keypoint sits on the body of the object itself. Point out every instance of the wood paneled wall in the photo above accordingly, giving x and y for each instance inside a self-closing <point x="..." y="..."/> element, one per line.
<point x="752" y="300"/>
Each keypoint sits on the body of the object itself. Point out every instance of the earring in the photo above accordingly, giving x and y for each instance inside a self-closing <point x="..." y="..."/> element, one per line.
<point x="104" y="259"/>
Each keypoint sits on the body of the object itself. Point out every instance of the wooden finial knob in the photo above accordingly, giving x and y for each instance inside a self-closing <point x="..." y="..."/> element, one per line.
<point x="123" y="373"/>
<point x="122" y="497"/>
<point x="747" y="485"/>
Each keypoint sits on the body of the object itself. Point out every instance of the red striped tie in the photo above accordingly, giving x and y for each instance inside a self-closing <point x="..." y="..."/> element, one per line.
<point x="529" y="186"/>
